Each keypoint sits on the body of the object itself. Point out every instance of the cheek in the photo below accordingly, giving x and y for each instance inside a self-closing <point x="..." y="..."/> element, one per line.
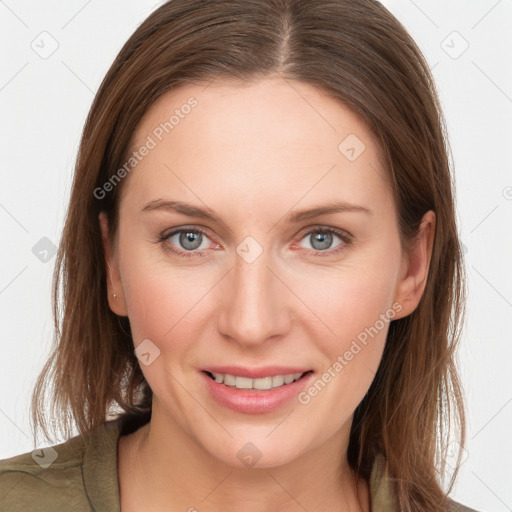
<point x="353" y="301"/>
<point x="162" y="306"/>
<point x="360" y="306"/>
<point x="359" y="314"/>
<point x="167" y="309"/>
<point x="357" y="306"/>
<point x="145" y="307"/>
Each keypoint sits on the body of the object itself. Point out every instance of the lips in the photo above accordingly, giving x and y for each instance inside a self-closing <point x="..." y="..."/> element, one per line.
<point x="255" y="390"/>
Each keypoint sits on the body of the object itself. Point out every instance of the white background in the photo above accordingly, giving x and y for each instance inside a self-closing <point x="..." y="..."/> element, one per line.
<point x="44" y="103"/>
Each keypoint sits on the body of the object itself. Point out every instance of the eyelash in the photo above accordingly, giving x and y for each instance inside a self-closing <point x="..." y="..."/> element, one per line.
<point x="342" y="235"/>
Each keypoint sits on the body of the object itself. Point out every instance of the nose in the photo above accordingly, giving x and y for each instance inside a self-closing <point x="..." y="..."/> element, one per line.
<point x="255" y="304"/>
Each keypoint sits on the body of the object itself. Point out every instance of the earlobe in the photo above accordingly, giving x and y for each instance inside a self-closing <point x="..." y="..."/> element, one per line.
<point x="114" y="286"/>
<point x="416" y="265"/>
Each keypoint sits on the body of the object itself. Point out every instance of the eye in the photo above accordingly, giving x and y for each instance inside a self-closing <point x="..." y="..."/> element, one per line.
<point x="186" y="241"/>
<point x="321" y="240"/>
<point x="191" y="242"/>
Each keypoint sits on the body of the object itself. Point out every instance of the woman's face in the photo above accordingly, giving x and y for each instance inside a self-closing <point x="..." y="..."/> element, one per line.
<point x="224" y="265"/>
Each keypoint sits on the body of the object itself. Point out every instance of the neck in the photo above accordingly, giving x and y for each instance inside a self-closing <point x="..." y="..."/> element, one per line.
<point x="162" y="468"/>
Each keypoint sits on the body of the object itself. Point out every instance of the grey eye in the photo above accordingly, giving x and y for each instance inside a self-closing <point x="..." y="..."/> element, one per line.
<point x="321" y="241"/>
<point x="190" y="240"/>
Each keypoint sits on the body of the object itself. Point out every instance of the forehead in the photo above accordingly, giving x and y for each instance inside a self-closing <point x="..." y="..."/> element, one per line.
<point x="256" y="110"/>
<point x="269" y="135"/>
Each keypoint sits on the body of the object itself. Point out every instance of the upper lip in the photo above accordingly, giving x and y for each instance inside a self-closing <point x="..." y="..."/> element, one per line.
<point x="256" y="373"/>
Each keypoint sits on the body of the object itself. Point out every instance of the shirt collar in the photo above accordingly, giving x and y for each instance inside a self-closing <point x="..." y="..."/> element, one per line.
<point x="381" y="491"/>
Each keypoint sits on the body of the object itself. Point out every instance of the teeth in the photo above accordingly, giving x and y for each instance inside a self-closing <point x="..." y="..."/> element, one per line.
<point x="261" y="384"/>
<point x="278" y="380"/>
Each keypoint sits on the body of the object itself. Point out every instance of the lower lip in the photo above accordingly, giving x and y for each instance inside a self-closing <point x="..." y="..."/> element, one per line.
<point x="254" y="402"/>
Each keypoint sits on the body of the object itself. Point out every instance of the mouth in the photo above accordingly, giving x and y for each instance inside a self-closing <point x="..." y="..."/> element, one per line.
<point x="265" y="383"/>
<point x="249" y="390"/>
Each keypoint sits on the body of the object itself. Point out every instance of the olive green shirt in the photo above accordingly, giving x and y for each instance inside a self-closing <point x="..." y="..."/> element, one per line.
<point x="81" y="475"/>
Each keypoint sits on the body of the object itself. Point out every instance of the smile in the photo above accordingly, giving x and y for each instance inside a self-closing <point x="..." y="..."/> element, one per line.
<point x="260" y="384"/>
<point x="255" y="391"/>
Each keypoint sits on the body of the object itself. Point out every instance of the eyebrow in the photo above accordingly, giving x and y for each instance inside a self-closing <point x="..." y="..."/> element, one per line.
<point x="296" y="216"/>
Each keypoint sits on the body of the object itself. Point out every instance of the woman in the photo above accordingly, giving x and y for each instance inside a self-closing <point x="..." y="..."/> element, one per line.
<point x="260" y="273"/>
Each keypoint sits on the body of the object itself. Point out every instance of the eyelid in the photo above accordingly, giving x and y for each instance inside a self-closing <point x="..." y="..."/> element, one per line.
<point x="342" y="233"/>
<point x="192" y="228"/>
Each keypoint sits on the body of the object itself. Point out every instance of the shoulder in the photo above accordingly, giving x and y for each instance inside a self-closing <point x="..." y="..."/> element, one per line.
<point x="383" y="495"/>
<point x="453" y="506"/>
<point x="48" y="476"/>
<point x="56" y="478"/>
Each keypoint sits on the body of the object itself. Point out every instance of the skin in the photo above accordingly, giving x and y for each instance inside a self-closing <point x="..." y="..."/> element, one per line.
<point x="254" y="153"/>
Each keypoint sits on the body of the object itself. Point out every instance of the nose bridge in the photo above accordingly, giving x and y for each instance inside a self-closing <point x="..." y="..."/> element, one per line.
<point x="254" y="309"/>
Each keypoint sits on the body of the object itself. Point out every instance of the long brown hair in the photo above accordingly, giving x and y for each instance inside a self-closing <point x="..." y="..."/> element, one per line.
<point x="357" y="52"/>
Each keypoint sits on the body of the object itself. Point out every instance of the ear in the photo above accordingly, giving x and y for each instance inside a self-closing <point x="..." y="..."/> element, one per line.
<point x="115" y="291"/>
<point x="415" y="266"/>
